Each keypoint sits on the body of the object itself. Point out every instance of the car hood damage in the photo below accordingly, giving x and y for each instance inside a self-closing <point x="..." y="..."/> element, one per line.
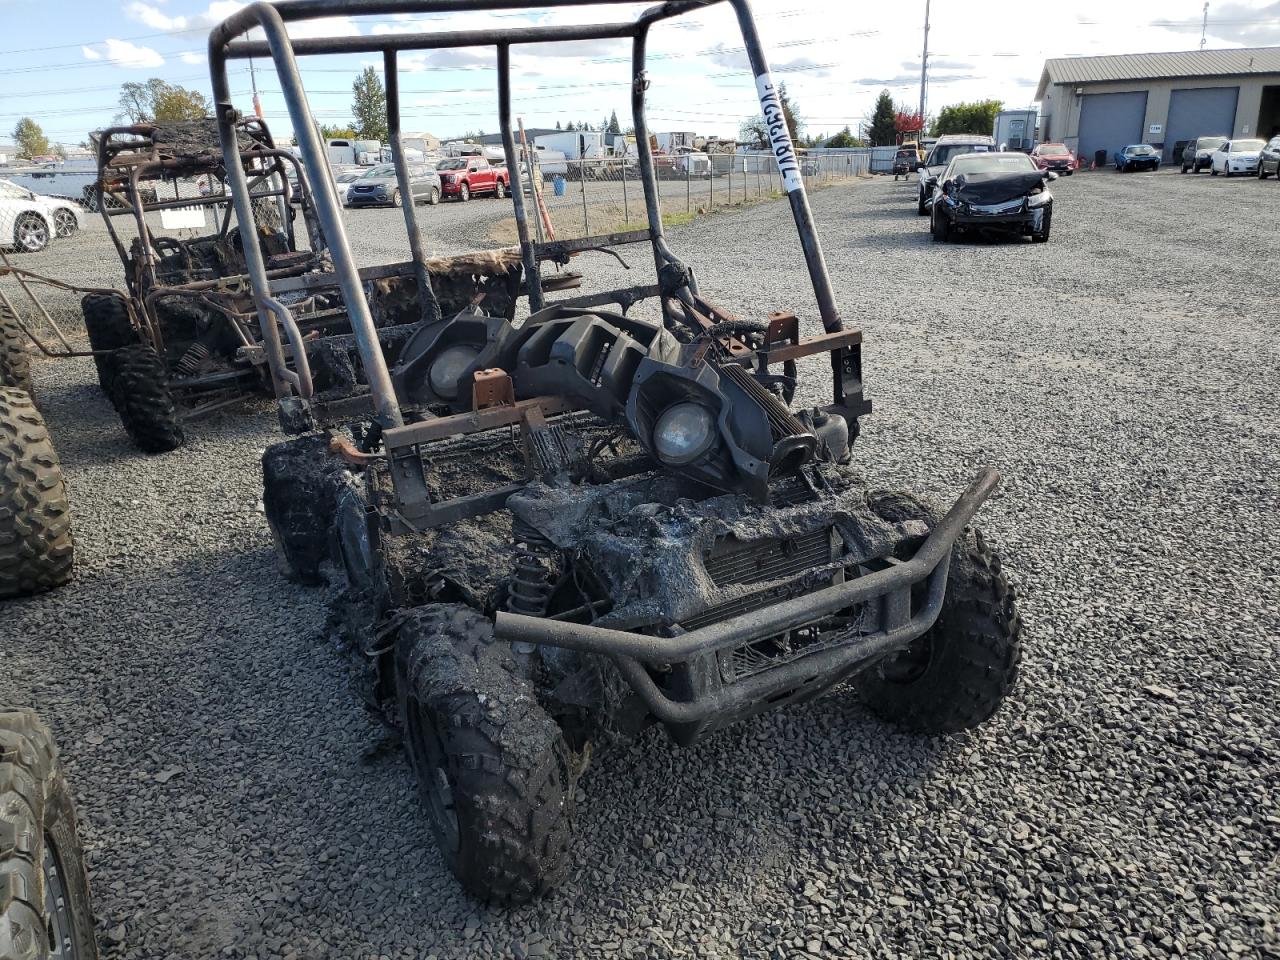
<point x="987" y="188"/>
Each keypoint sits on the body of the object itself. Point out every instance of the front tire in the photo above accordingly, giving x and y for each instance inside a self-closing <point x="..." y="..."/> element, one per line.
<point x="493" y="768"/>
<point x="301" y="480"/>
<point x="435" y="196"/>
<point x="106" y="321"/>
<point x="141" y="394"/>
<point x="500" y="190"/>
<point x="395" y="198"/>
<point x="1046" y="223"/>
<point x="30" y="233"/>
<point x="921" y="209"/>
<point x="37" y="552"/>
<point x="960" y="671"/>
<point x="45" y="908"/>
<point x="464" y="193"/>
<point x="940" y="228"/>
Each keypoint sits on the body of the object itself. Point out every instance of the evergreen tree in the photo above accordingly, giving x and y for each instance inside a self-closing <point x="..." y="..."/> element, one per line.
<point x="369" y="106"/>
<point x="883" y="130"/>
<point x="614" y="126"/>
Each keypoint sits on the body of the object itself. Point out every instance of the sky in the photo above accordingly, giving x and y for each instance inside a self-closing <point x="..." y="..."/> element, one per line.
<point x="62" y="61"/>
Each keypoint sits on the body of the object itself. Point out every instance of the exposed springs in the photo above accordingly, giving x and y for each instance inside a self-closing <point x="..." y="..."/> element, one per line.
<point x="197" y="356"/>
<point x="530" y="589"/>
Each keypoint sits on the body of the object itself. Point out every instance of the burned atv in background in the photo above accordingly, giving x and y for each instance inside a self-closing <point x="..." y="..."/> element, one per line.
<point x="552" y="534"/>
<point x="185" y="339"/>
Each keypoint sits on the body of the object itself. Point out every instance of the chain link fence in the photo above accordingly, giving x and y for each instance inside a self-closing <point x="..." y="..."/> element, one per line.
<point x="579" y="198"/>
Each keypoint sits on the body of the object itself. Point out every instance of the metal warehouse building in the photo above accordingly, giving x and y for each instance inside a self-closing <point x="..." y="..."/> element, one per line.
<point x="1104" y="103"/>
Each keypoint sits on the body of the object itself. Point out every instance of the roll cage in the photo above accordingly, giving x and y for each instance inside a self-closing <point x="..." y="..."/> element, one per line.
<point x="676" y="284"/>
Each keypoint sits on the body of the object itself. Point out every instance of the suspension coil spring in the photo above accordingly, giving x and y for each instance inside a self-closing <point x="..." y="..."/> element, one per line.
<point x="197" y="356"/>
<point x="531" y="586"/>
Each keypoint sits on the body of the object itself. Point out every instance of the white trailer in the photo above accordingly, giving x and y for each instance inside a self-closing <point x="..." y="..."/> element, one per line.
<point x="1015" y="130"/>
<point x="575" y="144"/>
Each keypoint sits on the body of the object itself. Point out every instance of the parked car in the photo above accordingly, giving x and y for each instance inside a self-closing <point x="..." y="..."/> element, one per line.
<point x="1137" y="156"/>
<point x="1197" y="154"/>
<point x="1269" y="159"/>
<point x="1054" y="156"/>
<point x="1236" y="156"/>
<point x="994" y="193"/>
<point x="64" y="214"/>
<point x="379" y="186"/>
<point x="905" y="163"/>
<point x="943" y="152"/>
<point x="464" y="177"/>
<point x="25" y="225"/>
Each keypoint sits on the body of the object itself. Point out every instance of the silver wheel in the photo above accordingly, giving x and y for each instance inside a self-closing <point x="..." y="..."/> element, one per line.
<point x="64" y="222"/>
<point x="31" y="233"/>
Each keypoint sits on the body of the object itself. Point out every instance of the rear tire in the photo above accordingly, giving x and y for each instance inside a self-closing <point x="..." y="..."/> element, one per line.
<point x="45" y="908"/>
<point x="37" y="552"/>
<point x="106" y="320"/>
<point x="140" y="392"/>
<point x="493" y="768"/>
<point x="15" y="361"/>
<point x="960" y="671"/>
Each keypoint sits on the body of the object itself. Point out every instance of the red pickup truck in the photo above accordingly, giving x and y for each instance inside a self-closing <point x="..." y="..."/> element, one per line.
<point x="462" y="177"/>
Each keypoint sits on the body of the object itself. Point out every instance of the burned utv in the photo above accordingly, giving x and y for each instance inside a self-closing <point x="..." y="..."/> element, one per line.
<point x="183" y="339"/>
<point x="551" y="533"/>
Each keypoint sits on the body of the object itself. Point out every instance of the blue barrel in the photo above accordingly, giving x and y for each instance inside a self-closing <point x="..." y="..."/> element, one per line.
<point x="557" y="185"/>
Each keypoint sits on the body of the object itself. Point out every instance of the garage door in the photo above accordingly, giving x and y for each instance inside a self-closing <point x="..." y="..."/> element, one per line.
<point x="1205" y="112"/>
<point x="1110" y="121"/>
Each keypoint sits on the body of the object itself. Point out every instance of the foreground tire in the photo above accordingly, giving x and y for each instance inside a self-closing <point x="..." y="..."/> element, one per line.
<point x="45" y="909"/>
<point x="492" y="766"/>
<point x="106" y="321"/>
<point x="140" y="392"/>
<point x="30" y="233"/>
<point x="65" y="223"/>
<point x="15" y="360"/>
<point x="958" y="673"/>
<point x="921" y="209"/>
<point x="301" y="481"/>
<point x="36" y="548"/>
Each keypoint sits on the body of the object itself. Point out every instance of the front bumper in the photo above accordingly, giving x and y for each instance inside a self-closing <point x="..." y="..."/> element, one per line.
<point x="367" y="200"/>
<point x="1243" y="166"/>
<point x="890" y="619"/>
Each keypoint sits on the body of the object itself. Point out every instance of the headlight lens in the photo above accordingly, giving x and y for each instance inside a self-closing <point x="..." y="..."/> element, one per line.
<point x="448" y="367"/>
<point x="1039" y="199"/>
<point x="683" y="433"/>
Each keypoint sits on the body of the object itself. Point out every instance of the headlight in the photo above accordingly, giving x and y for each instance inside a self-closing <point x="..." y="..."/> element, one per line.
<point x="1039" y="199"/>
<point x="448" y="367"/>
<point x="683" y="433"/>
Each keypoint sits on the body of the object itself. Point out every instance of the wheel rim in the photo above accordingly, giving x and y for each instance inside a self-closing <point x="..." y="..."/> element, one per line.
<point x="427" y="753"/>
<point x="912" y="663"/>
<point x="32" y="234"/>
<point x="466" y="193"/>
<point x="64" y="222"/>
<point x="59" y="926"/>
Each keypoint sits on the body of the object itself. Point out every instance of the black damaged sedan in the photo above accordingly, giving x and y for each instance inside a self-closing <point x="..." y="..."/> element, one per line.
<point x="993" y="194"/>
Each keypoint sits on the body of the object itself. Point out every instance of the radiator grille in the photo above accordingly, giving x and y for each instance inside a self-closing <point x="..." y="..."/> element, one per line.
<point x="734" y="562"/>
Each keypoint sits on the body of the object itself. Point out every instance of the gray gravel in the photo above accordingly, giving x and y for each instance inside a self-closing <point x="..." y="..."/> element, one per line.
<point x="238" y="801"/>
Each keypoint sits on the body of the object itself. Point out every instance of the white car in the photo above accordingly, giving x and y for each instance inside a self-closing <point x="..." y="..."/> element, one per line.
<point x="1236" y="156"/>
<point x="29" y="221"/>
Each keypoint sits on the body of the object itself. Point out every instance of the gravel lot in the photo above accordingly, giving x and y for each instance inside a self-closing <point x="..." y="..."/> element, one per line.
<point x="239" y="802"/>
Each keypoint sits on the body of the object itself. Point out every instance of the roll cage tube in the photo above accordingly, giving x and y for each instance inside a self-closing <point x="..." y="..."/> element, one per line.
<point x="271" y="17"/>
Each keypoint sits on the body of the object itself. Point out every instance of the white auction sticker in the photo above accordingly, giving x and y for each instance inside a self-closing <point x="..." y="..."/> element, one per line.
<point x="779" y="136"/>
<point x="183" y="218"/>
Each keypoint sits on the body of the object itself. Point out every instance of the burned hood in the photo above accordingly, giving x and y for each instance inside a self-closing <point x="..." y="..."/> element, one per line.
<point x="986" y="188"/>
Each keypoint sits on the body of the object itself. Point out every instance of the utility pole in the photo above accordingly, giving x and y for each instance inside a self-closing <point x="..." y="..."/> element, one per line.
<point x="1204" y="24"/>
<point x="924" y="64"/>
<point x="252" y="80"/>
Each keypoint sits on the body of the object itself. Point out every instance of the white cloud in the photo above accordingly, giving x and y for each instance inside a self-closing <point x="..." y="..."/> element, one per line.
<point x="193" y="58"/>
<point x="217" y="11"/>
<point x="153" y="17"/>
<point x="122" y="53"/>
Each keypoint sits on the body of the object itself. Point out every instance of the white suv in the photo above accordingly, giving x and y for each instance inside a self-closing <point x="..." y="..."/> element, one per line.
<point x="28" y="221"/>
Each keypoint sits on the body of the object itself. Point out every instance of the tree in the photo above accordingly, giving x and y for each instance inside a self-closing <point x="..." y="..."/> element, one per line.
<point x="30" y="138"/>
<point x="614" y="126"/>
<point x="369" y="106"/>
<point x="154" y="100"/>
<point x="883" y="132"/>
<point x="558" y="127"/>
<point x="907" y="121"/>
<point x="845" y="138"/>
<point x="977" y="117"/>
<point x="346" y="132"/>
